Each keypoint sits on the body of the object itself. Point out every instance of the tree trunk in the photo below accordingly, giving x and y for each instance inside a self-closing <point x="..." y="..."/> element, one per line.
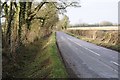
<point x="21" y="19"/>
<point x="14" y="33"/>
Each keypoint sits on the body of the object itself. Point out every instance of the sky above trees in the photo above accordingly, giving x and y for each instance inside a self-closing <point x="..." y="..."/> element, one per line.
<point x="94" y="11"/>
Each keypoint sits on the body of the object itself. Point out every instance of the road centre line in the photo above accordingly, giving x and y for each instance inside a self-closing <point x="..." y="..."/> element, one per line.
<point x="102" y="62"/>
<point x="85" y="47"/>
<point x="115" y="63"/>
<point x="96" y="54"/>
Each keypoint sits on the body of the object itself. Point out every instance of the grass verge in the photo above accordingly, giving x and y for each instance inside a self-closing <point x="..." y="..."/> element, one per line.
<point x="107" y="45"/>
<point x="39" y="60"/>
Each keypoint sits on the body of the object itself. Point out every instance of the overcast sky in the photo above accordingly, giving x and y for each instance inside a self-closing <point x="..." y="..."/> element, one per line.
<point x="94" y="11"/>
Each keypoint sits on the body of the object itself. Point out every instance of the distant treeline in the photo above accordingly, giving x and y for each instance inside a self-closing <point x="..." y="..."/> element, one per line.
<point x="101" y="24"/>
<point x="92" y="25"/>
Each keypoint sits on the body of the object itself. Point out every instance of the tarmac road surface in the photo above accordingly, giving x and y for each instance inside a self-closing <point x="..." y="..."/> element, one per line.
<point x="87" y="60"/>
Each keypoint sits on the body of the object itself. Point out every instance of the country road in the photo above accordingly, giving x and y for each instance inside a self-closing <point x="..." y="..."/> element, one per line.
<point x="87" y="60"/>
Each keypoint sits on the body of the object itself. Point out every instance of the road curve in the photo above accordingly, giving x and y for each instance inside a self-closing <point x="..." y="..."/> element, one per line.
<point x="87" y="60"/>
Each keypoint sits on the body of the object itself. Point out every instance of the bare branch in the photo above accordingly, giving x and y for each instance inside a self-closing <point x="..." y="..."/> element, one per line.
<point x="39" y="18"/>
<point x="36" y="10"/>
<point x="64" y="5"/>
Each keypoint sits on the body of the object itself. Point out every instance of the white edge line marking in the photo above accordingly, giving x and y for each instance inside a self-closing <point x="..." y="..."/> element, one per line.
<point x="96" y="54"/>
<point x="85" y="48"/>
<point x="115" y="63"/>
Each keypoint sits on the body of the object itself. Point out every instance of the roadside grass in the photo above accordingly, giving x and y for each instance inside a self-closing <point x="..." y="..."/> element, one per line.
<point x="58" y="70"/>
<point x="107" y="45"/>
<point x="40" y="59"/>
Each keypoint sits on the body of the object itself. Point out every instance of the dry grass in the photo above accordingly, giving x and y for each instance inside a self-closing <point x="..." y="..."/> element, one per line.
<point x="108" y="45"/>
<point x="95" y="28"/>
